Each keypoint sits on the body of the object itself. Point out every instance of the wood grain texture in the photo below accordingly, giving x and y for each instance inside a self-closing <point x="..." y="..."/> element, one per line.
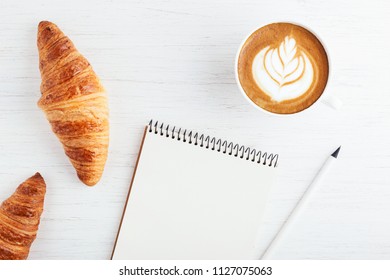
<point x="174" y="61"/>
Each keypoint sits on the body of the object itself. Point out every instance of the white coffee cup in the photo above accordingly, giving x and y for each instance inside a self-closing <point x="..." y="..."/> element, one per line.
<point x="326" y="97"/>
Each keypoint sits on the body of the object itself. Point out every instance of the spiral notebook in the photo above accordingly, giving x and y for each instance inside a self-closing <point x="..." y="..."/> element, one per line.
<point x="194" y="197"/>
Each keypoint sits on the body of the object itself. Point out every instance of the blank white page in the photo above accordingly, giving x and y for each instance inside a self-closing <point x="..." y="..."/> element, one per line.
<point x="190" y="202"/>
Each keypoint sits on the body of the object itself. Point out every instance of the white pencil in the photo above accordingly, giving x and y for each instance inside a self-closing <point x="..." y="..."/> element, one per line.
<point x="300" y="205"/>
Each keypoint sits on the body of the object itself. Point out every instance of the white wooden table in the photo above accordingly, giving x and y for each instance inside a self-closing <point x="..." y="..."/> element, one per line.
<point x="174" y="61"/>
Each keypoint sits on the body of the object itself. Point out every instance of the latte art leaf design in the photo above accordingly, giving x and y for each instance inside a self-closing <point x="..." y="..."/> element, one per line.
<point x="284" y="72"/>
<point x="282" y="64"/>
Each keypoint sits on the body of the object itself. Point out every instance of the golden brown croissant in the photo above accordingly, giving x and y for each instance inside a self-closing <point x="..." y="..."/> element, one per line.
<point x="74" y="101"/>
<point x="19" y="218"/>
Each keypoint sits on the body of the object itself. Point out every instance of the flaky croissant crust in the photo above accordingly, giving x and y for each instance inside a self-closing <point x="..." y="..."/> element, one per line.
<point x="20" y="217"/>
<point x="74" y="101"/>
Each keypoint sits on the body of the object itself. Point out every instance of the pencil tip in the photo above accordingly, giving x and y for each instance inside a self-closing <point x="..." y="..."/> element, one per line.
<point x="336" y="153"/>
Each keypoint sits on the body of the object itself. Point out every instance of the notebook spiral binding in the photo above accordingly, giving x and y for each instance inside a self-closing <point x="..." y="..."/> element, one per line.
<point x="214" y="144"/>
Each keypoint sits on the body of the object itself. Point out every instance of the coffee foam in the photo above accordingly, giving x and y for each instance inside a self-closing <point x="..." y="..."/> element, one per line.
<point x="283" y="73"/>
<point x="283" y="68"/>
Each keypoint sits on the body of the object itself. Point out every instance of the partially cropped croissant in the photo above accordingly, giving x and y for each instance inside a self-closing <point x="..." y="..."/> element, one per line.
<point x="19" y="218"/>
<point x="74" y="101"/>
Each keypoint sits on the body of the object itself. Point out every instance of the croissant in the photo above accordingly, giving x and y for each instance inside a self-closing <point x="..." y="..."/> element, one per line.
<point x="19" y="218"/>
<point x="74" y="101"/>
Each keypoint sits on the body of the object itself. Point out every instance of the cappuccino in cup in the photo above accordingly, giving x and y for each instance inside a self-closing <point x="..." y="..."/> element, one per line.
<point x="282" y="68"/>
